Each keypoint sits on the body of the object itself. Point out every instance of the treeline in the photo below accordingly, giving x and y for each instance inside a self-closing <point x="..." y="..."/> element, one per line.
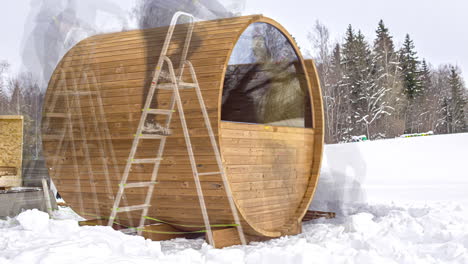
<point x="21" y="95"/>
<point x="382" y="91"/>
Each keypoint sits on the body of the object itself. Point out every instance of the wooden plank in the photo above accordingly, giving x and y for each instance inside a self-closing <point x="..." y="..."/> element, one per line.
<point x="155" y="35"/>
<point x="264" y="127"/>
<point x="144" y="55"/>
<point x="268" y="198"/>
<point x="159" y="232"/>
<point x="120" y="66"/>
<point x="234" y="133"/>
<point x="11" y="155"/>
<point x="173" y="48"/>
<point x="268" y="167"/>
<point x="139" y="43"/>
<point x="226" y="237"/>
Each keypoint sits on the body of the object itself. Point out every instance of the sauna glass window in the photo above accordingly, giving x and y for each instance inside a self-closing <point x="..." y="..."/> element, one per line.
<point x="265" y="82"/>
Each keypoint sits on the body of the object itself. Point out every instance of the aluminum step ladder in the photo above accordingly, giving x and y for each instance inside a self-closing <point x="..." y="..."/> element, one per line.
<point x="72" y="99"/>
<point x="175" y="85"/>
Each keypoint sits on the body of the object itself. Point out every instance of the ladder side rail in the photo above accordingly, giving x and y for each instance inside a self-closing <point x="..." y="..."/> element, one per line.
<point x="217" y="154"/>
<point x="188" y="39"/>
<point x="63" y="133"/>
<point x="190" y="153"/>
<point x="76" y="98"/>
<point x="106" y="129"/>
<point x="154" y="175"/>
<point x="144" y="114"/>
<point x="141" y="124"/>
<point x="73" y="147"/>
<point x="56" y="94"/>
<point x="170" y="32"/>
<point x="63" y="144"/>
<point x="136" y="140"/>
<point x="110" y="147"/>
<point x="102" y="145"/>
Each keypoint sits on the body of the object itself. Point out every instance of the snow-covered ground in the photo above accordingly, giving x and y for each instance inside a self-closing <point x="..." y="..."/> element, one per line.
<point x="398" y="201"/>
<point x="419" y="169"/>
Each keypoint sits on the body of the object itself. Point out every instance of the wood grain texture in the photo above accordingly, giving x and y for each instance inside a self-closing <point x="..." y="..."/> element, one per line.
<point x="11" y="150"/>
<point x="97" y="93"/>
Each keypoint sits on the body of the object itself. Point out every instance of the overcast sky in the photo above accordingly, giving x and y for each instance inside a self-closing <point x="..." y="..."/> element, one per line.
<point x="439" y="28"/>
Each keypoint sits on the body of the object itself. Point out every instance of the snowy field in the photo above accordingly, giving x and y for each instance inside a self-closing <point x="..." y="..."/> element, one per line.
<point x="420" y="169"/>
<point x="398" y="201"/>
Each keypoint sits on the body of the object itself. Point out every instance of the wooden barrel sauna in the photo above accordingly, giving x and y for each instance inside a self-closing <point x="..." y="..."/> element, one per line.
<point x="263" y="101"/>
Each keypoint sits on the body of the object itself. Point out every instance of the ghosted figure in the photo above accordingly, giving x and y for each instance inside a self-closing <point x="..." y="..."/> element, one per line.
<point x="55" y="26"/>
<point x="340" y="185"/>
<point x="158" y="13"/>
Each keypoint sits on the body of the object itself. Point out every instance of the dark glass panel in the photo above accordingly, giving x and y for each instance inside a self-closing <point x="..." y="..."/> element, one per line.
<point x="265" y="82"/>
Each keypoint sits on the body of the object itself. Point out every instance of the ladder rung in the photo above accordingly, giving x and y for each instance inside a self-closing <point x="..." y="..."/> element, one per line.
<point x="138" y="184"/>
<point x="181" y="85"/>
<point x="165" y="86"/>
<point x="59" y="115"/>
<point x="146" y="160"/>
<point x="151" y="136"/>
<point x="187" y="85"/>
<point x="160" y="111"/>
<point x="208" y="173"/>
<point x="132" y="208"/>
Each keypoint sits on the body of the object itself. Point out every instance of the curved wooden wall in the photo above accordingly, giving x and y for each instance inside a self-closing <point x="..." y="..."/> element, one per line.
<point x="114" y="71"/>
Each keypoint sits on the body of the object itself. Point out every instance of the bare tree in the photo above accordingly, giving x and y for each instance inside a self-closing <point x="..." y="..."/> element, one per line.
<point x="3" y="97"/>
<point x="328" y="67"/>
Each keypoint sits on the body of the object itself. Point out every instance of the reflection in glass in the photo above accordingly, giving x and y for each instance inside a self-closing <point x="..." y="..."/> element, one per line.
<point x="265" y="82"/>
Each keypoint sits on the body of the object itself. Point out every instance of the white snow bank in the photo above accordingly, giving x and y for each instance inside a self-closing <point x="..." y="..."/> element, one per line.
<point x="409" y="182"/>
<point x="34" y="220"/>
<point x="370" y="234"/>
<point x="418" y="169"/>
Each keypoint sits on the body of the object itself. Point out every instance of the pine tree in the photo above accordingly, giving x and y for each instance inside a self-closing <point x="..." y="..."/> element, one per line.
<point x="426" y="81"/>
<point x="367" y="100"/>
<point x="384" y="48"/>
<point x="349" y="84"/>
<point x="387" y="79"/>
<point x="412" y="87"/>
<point x="429" y="101"/>
<point x="441" y="92"/>
<point x="409" y="67"/>
<point x="457" y="102"/>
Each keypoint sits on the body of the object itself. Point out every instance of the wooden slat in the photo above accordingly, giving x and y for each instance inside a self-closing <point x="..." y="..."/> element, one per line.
<point x="268" y="167"/>
<point x="272" y="193"/>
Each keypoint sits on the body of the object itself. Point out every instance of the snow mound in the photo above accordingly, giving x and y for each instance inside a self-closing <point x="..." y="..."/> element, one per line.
<point x="34" y="220"/>
<point x="408" y="233"/>
<point x="418" y="214"/>
<point x="361" y="223"/>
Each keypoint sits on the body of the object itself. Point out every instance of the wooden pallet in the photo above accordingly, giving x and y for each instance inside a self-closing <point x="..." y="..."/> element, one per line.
<point x="311" y="215"/>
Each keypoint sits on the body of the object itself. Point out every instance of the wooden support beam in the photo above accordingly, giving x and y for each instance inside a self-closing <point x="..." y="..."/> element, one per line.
<point x="226" y="237"/>
<point x="311" y="215"/>
<point x="158" y="232"/>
